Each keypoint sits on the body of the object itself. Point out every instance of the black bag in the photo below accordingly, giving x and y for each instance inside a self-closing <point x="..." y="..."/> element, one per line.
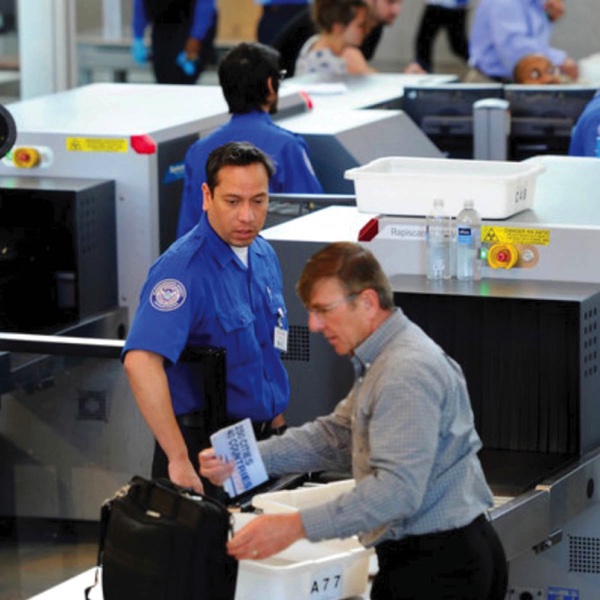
<point x="159" y="541"/>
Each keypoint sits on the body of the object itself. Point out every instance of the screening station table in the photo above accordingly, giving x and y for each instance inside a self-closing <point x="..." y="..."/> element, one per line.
<point x="74" y="589"/>
<point x="378" y="90"/>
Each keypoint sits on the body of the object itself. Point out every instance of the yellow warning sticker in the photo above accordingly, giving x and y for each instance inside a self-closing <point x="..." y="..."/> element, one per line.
<point x="515" y="235"/>
<point x="77" y="144"/>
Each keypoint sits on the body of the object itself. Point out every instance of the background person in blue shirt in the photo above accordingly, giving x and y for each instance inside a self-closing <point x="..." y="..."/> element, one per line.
<point x="587" y="130"/>
<point x="504" y="31"/>
<point x="406" y="430"/>
<point x="183" y="33"/>
<point x="249" y="76"/>
<point x="218" y="286"/>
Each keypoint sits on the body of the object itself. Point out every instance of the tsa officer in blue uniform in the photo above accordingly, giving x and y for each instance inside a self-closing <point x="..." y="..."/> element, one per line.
<point x="220" y="285"/>
<point x="249" y="77"/>
<point x="183" y="33"/>
<point x="586" y="133"/>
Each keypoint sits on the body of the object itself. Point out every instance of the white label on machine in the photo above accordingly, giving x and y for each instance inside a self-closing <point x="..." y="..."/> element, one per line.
<point x="327" y="584"/>
<point x="401" y="231"/>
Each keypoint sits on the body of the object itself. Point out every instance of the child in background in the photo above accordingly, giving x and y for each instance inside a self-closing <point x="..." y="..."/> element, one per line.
<point x="343" y="25"/>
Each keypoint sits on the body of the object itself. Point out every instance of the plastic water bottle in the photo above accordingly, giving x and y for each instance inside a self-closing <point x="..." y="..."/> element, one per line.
<point x="468" y="243"/>
<point x="439" y="247"/>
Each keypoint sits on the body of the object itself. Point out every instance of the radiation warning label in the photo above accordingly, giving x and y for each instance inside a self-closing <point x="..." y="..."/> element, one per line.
<point x="79" y="144"/>
<point x="515" y="235"/>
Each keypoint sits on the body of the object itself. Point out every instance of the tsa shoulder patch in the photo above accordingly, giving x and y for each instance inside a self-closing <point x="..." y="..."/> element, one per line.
<point x="167" y="295"/>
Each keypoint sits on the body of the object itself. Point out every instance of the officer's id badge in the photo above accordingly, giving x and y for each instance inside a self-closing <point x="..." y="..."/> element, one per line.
<point x="280" y="338"/>
<point x="280" y="335"/>
<point x="167" y="295"/>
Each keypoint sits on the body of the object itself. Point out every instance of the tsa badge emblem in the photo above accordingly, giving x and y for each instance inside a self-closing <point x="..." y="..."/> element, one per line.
<point x="167" y="295"/>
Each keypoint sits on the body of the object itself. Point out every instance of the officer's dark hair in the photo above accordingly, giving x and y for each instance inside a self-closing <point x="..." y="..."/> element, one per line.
<point x="326" y="13"/>
<point x="355" y="267"/>
<point x="236" y="154"/>
<point x="244" y="73"/>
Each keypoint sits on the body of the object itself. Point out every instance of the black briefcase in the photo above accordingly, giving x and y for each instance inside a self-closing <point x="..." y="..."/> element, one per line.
<point x="159" y="541"/>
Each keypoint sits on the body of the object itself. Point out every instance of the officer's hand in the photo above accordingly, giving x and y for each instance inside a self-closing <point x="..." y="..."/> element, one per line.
<point x="185" y="64"/>
<point x="189" y="58"/>
<point x="183" y="473"/>
<point x="192" y="48"/>
<point x="139" y="51"/>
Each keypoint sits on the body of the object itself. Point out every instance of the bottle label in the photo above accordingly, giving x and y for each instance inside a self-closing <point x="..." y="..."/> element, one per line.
<point x="464" y="235"/>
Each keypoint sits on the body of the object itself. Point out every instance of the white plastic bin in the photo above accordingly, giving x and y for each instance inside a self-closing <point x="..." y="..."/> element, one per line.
<point x="407" y="186"/>
<point x="303" y="497"/>
<point x="329" y="570"/>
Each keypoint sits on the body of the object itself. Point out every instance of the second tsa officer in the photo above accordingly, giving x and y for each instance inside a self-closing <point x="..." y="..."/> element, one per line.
<point x="249" y="77"/>
<point x="183" y="33"/>
<point x="220" y="285"/>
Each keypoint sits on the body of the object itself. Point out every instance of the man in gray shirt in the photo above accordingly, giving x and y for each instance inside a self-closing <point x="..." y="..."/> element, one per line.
<point x="405" y="430"/>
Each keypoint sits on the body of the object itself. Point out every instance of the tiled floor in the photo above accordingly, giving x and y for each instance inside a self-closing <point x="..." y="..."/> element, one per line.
<point x="36" y="555"/>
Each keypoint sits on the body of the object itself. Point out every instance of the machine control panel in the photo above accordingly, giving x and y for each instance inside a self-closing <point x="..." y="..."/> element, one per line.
<point x="28" y="157"/>
<point x="502" y="246"/>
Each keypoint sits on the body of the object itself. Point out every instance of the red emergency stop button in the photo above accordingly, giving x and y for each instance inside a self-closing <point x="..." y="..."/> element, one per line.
<point x="502" y="256"/>
<point x="26" y="158"/>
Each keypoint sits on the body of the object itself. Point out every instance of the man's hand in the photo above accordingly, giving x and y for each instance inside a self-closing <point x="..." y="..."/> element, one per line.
<point x="266" y="535"/>
<point x="214" y="469"/>
<point x="183" y="473"/>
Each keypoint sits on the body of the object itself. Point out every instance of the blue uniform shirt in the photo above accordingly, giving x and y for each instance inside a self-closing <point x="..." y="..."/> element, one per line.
<point x="199" y="293"/>
<point x="289" y="151"/>
<point x="504" y="31"/>
<point x="586" y="130"/>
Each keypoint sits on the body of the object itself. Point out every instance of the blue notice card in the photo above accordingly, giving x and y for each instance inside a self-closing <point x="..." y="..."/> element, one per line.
<point x="237" y="444"/>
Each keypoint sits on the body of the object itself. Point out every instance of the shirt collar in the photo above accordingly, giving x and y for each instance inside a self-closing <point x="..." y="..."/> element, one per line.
<point x="222" y="251"/>
<point x="366" y="353"/>
<point x="253" y="116"/>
